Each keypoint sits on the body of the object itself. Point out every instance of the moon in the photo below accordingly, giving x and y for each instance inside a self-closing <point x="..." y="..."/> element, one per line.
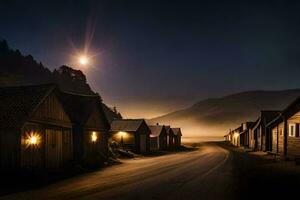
<point x="83" y="60"/>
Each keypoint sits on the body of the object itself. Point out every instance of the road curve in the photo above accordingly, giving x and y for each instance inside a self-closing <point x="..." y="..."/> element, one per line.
<point x="203" y="174"/>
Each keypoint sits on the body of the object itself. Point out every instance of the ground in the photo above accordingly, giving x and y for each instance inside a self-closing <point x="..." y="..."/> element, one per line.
<point x="213" y="171"/>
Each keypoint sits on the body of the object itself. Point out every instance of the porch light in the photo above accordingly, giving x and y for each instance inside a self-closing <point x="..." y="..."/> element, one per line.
<point x="122" y="134"/>
<point x="94" y="136"/>
<point x="33" y="139"/>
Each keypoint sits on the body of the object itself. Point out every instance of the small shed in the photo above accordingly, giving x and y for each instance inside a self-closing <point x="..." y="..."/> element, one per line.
<point x="177" y="137"/>
<point x="35" y="130"/>
<point x="131" y="134"/>
<point x="158" y="137"/>
<point x="170" y="138"/>
<point x="90" y="127"/>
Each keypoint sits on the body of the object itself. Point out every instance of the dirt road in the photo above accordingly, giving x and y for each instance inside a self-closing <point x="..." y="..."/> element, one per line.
<point x="203" y="174"/>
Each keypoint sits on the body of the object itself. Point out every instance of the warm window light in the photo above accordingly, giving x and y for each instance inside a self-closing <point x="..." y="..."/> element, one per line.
<point x="94" y="136"/>
<point x="32" y="139"/>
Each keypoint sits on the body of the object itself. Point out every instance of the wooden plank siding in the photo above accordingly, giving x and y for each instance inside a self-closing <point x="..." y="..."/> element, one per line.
<point x="9" y="149"/>
<point x="53" y="127"/>
<point x="277" y="139"/>
<point x="51" y="112"/>
<point x="293" y="142"/>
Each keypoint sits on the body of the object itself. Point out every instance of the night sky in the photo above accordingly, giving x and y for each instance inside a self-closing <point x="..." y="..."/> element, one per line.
<point x="152" y="57"/>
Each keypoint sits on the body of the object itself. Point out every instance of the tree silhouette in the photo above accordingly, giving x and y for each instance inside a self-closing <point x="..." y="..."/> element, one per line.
<point x="17" y="69"/>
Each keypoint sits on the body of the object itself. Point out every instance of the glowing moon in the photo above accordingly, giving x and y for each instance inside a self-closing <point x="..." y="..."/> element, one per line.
<point x="83" y="60"/>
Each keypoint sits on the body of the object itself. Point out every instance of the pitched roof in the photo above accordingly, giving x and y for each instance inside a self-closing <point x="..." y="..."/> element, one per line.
<point x="80" y="107"/>
<point x="290" y="110"/>
<point x="169" y="130"/>
<point x="267" y="116"/>
<point x="156" y="130"/>
<point x="177" y="131"/>
<point x="126" y="124"/>
<point x="18" y="103"/>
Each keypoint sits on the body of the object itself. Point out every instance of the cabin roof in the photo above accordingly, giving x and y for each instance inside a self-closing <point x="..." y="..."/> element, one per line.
<point x="177" y="131"/>
<point x="18" y="103"/>
<point x="267" y="115"/>
<point x="126" y="124"/>
<point x="169" y="130"/>
<point x="156" y="130"/>
<point x="290" y="110"/>
<point x="80" y="107"/>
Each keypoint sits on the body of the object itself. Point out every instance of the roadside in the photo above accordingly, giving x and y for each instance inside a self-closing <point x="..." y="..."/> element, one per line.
<point x="262" y="176"/>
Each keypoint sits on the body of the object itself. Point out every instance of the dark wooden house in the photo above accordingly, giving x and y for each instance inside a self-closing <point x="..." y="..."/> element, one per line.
<point x="170" y="138"/>
<point x="261" y="135"/>
<point x="131" y="134"/>
<point x="245" y="134"/>
<point x="158" y="137"/>
<point x="35" y="131"/>
<point x="90" y="126"/>
<point x="177" y="137"/>
<point x="285" y="131"/>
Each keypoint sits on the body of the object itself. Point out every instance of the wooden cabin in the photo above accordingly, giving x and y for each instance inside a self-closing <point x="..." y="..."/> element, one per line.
<point x="90" y="127"/>
<point x="235" y="136"/>
<point x="285" y="131"/>
<point x="158" y="137"/>
<point x="245" y="134"/>
<point x="177" y="137"/>
<point x="35" y="130"/>
<point x="131" y="134"/>
<point x="260" y="134"/>
<point x="170" y="137"/>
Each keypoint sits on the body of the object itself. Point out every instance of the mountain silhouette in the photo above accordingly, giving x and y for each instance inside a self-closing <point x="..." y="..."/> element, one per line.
<point x="216" y="116"/>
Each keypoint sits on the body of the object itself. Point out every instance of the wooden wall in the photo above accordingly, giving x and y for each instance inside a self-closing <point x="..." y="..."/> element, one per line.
<point x="9" y="149"/>
<point x="97" y="147"/>
<point x="53" y="127"/>
<point x="32" y="156"/>
<point x="280" y="139"/>
<point x="51" y="111"/>
<point x="67" y="145"/>
<point x="154" y="143"/>
<point x="293" y="142"/>
<point x="163" y="140"/>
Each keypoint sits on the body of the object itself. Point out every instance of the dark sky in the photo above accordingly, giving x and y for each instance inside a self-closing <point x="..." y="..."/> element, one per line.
<point x="157" y="56"/>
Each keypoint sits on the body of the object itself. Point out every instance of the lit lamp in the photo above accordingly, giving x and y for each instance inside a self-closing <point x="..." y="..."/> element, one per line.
<point x="122" y="134"/>
<point x="94" y="136"/>
<point x="33" y="139"/>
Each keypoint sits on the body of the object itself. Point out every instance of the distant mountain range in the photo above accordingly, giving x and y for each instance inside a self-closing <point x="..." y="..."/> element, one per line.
<point x="216" y="116"/>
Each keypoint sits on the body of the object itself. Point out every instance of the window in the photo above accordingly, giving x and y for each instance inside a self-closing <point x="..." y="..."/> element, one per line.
<point x="292" y="130"/>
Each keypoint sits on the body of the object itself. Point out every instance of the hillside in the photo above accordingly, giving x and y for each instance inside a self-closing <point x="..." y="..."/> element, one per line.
<point x="17" y="69"/>
<point x="216" y="116"/>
